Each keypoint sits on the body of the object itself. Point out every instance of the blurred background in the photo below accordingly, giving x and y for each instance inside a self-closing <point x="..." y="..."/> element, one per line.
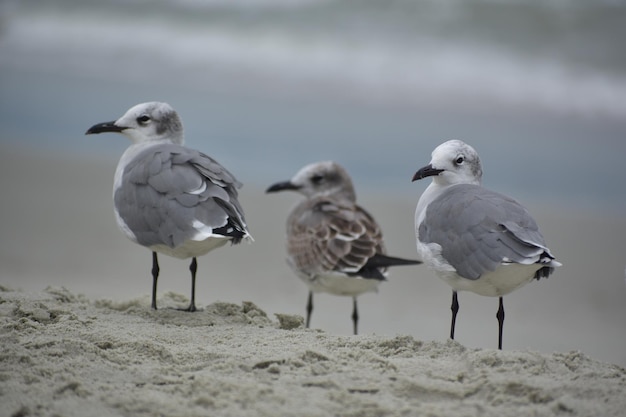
<point x="267" y="86"/>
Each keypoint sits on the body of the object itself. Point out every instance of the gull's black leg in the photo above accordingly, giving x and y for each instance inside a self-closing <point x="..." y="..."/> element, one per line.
<point x="193" y="267"/>
<point x="455" y="309"/>
<point x="309" y="309"/>
<point x="355" y="315"/>
<point x="500" y="316"/>
<point x="155" y="277"/>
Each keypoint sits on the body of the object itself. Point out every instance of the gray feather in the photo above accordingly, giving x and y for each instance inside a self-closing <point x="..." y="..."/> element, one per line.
<point x="158" y="198"/>
<point x="479" y="229"/>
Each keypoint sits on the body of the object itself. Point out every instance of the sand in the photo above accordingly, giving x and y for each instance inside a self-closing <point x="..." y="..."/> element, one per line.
<point x="66" y="355"/>
<point x="59" y="230"/>
<point x="78" y="337"/>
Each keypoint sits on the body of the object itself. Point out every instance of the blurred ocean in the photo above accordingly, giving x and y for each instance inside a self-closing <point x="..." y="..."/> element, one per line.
<point x="265" y="86"/>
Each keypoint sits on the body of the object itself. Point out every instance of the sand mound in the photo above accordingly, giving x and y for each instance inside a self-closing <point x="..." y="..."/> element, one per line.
<point x="63" y="354"/>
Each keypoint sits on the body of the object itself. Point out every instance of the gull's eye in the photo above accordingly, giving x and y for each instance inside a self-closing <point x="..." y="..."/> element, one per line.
<point x="143" y="119"/>
<point x="459" y="160"/>
<point x="316" y="179"/>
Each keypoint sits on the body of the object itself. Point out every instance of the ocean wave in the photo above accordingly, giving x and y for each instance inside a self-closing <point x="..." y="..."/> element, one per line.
<point x="383" y="62"/>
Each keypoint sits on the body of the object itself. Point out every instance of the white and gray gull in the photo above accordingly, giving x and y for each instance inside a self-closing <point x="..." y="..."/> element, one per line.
<point x="333" y="244"/>
<point x="169" y="198"/>
<point x="473" y="238"/>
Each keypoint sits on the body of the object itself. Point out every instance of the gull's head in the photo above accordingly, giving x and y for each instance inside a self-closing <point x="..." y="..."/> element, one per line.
<point x="452" y="162"/>
<point x="146" y="122"/>
<point x="320" y="179"/>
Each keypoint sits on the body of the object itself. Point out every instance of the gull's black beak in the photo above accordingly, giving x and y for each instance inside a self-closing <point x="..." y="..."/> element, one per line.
<point x="104" y="127"/>
<point x="282" y="186"/>
<point x="427" y="171"/>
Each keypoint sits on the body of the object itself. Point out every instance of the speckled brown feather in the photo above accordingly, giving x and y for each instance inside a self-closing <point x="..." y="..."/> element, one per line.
<point x="324" y="236"/>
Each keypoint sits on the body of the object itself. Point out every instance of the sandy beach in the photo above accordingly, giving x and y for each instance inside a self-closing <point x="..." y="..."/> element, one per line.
<point x="266" y="87"/>
<point x="64" y="354"/>
<point x="79" y="338"/>
<point x="63" y="234"/>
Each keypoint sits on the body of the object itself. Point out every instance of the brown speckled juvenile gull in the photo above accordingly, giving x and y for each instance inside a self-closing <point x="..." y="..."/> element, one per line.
<point x="333" y="244"/>
<point x="473" y="238"/>
<point x="167" y="197"/>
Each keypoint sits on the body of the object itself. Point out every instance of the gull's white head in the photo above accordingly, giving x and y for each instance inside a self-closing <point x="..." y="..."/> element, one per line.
<point x="452" y="162"/>
<point x="146" y="122"/>
<point x="320" y="179"/>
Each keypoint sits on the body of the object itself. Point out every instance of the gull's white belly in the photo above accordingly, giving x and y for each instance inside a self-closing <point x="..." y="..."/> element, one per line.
<point x="192" y="248"/>
<point x="505" y="279"/>
<point x="339" y="283"/>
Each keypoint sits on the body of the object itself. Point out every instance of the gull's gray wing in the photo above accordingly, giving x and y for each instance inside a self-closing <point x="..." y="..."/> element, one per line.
<point x="479" y="229"/>
<point x="325" y="236"/>
<point x="169" y="193"/>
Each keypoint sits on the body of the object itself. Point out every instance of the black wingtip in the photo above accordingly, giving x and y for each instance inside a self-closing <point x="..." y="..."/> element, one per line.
<point x="383" y="261"/>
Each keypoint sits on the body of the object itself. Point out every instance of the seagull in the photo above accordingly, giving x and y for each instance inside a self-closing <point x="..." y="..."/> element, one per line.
<point x="333" y="244"/>
<point x="169" y="198"/>
<point x="473" y="238"/>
